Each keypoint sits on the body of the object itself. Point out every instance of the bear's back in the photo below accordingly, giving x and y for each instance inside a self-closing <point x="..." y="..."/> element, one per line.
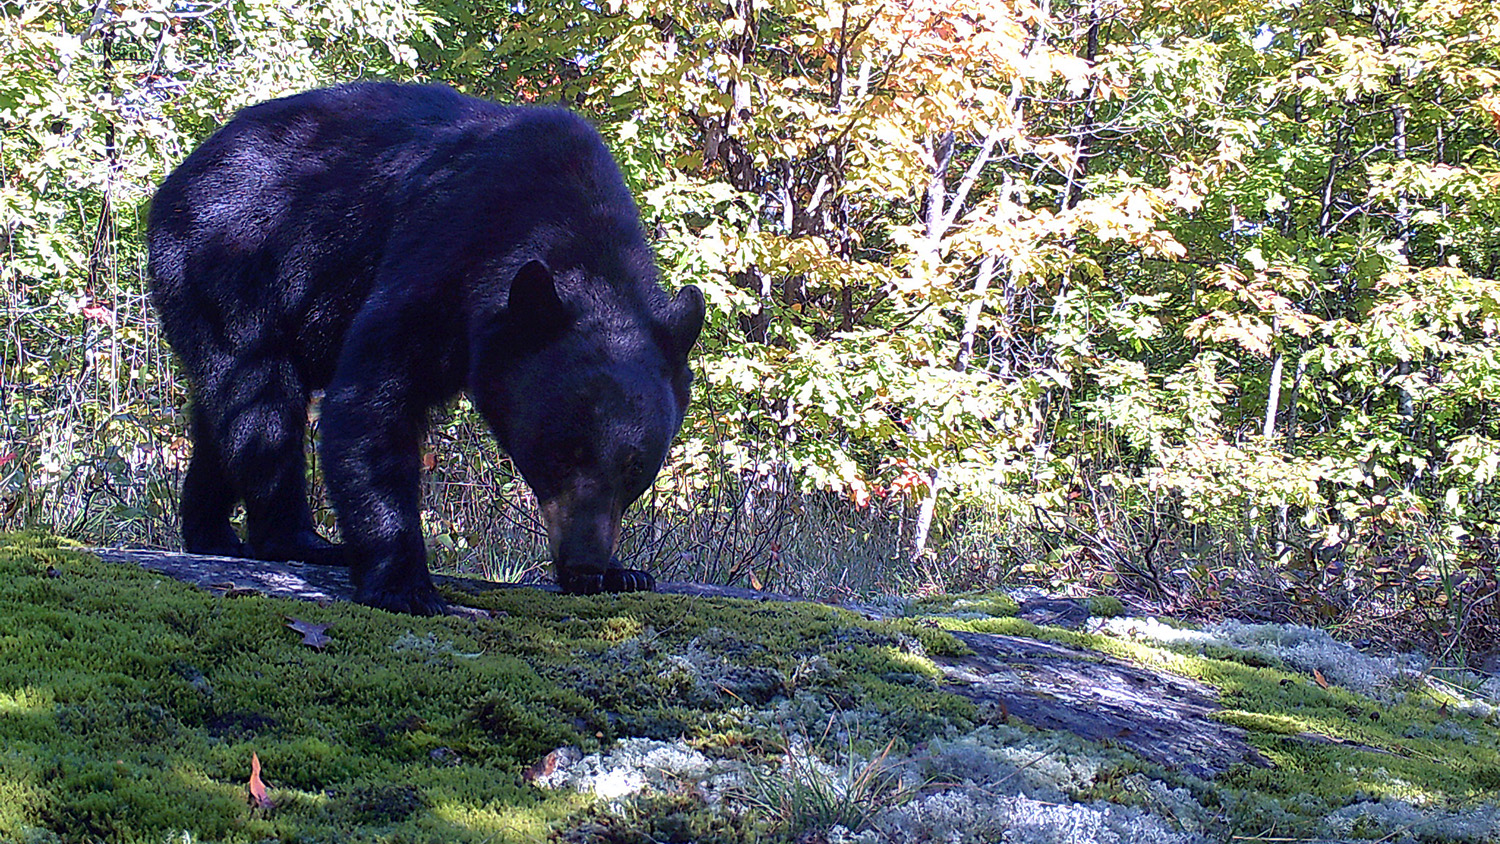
<point x="356" y="157"/>
<point x="285" y="222"/>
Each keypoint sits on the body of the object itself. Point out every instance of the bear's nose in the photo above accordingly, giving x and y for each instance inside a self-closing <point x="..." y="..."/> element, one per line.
<point x="582" y="531"/>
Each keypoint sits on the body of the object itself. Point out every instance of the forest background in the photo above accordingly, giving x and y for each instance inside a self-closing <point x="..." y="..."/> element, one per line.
<point x="1192" y="301"/>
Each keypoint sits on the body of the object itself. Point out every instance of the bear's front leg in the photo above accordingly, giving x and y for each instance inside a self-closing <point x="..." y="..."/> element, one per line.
<point x="371" y="433"/>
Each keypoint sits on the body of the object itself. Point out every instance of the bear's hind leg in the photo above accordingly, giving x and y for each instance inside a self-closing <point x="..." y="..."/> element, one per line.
<point x="208" y="496"/>
<point x="262" y="433"/>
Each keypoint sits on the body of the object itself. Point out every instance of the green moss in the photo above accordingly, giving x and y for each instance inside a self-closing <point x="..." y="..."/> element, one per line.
<point x="1262" y="722"/>
<point x="130" y="704"/>
<point x="996" y="604"/>
<point x="667" y="817"/>
<point x="1402" y="747"/>
<point x="1003" y="626"/>
<point x="620" y="629"/>
<point x="1227" y="654"/>
<point x="1106" y="606"/>
<point x="378" y="804"/>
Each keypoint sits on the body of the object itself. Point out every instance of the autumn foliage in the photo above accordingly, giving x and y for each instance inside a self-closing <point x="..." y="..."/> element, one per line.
<point x="1110" y="291"/>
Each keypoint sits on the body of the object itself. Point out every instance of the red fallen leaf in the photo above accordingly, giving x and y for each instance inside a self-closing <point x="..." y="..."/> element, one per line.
<point x="258" y="795"/>
<point x="543" y="768"/>
<point x="548" y="765"/>
<point x="312" y="634"/>
<point x="7" y="457"/>
<point x="1318" y="678"/>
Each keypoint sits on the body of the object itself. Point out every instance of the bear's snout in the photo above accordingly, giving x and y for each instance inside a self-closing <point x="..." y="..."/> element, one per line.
<point x="582" y="533"/>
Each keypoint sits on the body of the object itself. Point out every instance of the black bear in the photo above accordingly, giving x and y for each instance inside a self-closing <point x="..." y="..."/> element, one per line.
<point x="393" y="245"/>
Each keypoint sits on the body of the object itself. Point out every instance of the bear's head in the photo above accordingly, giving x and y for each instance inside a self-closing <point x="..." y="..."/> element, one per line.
<point x="584" y="386"/>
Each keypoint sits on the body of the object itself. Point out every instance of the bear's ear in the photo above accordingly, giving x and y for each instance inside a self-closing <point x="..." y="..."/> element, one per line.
<point x="684" y="320"/>
<point x="535" y="314"/>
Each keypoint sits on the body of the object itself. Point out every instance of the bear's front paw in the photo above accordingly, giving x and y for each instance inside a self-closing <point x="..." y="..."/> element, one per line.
<point x="629" y="580"/>
<point x="409" y="601"/>
<point x="581" y="584"/>
<point x="611" y="580"/>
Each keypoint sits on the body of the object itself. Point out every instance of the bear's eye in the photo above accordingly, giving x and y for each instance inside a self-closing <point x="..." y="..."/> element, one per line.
<point x="632" y="467"/>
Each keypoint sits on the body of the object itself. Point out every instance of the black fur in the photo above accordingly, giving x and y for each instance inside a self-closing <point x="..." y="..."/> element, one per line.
<point x="393" y="245"/>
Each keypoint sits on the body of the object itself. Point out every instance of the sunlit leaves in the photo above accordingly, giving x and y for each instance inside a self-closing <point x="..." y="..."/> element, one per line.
<point x="1258" y="303"/>
<point x="1173" y="200"/>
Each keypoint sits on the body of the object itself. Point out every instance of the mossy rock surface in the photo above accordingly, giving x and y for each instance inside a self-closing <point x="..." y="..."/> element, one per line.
<point x="131" y="704"/>
<point x="1333" y="751"/>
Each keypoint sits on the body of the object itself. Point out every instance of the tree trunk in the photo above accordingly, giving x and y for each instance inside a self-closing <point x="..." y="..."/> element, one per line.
<point x="972" y="314"/>
<point x="925" y="513"/>
<point x="922" y="527"/>
<point x="1078" y="173"/>
<point x="1273" y="390"/>
<point x="1403" y="221"/>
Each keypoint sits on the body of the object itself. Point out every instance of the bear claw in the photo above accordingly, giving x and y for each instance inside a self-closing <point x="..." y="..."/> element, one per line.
<point x="612" y="580"/>
<point x="629" y="580"/>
